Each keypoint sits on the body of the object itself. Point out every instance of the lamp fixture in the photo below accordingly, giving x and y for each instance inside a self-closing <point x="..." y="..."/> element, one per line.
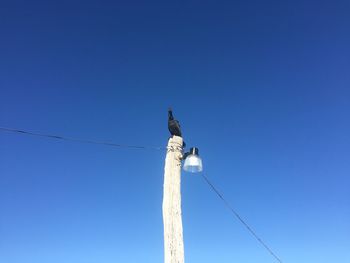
<point x="192" y="163"/>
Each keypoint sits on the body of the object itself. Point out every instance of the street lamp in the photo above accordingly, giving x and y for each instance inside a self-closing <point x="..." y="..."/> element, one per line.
<point x="192" y="163"/>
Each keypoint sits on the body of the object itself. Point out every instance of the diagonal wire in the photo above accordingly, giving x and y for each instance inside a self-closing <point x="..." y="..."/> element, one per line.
<point x="79" y="140"/>
<point x="240" y="219"/>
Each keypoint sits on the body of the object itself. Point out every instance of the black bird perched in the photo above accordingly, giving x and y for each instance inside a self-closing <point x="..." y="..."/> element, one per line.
<point x="173" y="125"/>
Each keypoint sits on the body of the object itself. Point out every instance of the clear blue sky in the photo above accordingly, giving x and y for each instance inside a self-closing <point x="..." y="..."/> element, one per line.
<point x="261" y="87"/>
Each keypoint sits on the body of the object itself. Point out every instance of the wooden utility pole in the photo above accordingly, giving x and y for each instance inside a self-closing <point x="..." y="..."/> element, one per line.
<point x="172" y="217"/>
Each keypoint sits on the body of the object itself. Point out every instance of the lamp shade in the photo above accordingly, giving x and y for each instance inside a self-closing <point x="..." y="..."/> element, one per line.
<point x="193" y="163"/>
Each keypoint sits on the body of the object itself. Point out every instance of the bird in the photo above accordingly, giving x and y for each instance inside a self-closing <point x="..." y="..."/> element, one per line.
<point x="173" y="125"/>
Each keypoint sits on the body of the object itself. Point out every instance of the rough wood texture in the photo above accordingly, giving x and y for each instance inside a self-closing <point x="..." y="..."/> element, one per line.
<point x="172" y="218"/>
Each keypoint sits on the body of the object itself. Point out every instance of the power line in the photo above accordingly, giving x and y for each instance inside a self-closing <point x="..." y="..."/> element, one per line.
<point x="80" y="140"/>
<point x="240" y="219"/>
<point x="152" y="148"/>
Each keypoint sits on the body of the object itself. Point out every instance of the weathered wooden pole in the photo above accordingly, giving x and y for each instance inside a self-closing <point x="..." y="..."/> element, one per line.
<point x="172" y="217"/>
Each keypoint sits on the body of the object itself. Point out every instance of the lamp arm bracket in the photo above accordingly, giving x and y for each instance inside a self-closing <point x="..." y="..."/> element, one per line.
<point x="184" y="156"/>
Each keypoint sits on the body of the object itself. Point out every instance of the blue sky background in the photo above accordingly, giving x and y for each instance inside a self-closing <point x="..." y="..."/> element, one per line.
<point x="261" y="87"/>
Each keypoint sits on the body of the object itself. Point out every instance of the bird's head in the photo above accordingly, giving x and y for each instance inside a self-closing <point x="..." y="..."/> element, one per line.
<point x="170" y="114"/>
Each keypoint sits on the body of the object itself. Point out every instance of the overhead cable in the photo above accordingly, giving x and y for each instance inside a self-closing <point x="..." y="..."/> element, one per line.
<point x="227" y="204"/>
<point x="79" y="140"/>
